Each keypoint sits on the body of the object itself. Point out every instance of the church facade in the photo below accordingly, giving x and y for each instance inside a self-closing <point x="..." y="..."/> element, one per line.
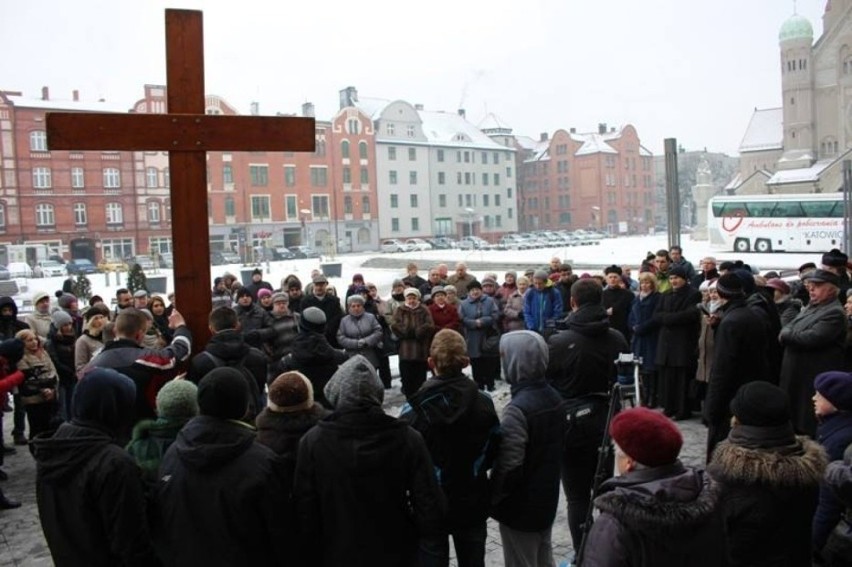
<point x="800" y="146"/>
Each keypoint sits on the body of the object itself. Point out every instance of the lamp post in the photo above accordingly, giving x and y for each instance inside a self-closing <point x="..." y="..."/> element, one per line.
<point x="470" y="213"/>
<point x="305" y="213"/>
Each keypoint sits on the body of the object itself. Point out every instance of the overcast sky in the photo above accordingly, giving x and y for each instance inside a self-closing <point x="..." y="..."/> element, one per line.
<point x="688" y="69"/>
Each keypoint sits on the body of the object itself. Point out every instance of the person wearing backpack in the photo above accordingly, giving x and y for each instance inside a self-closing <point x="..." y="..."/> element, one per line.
<point x="227" y="347"/>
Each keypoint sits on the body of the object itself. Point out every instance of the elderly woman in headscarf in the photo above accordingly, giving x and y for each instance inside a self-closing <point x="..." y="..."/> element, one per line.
<point x="359" y="332"/>
<point x="513" y="311"/>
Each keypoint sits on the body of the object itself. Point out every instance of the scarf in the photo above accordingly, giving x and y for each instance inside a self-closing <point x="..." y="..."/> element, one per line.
<point x="779" y="438"/>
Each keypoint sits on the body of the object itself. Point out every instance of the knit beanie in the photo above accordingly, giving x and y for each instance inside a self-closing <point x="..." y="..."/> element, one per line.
<point x="104" y="397"/>
<point x="223" y="393"/>
<point x="276" y="297"/>
<point x="540" y="275"/>
<point x="836" y="387"/>
<point x="313" y="320"/>
<point x="177" y="399"/>
<point x="264" y="293"/>
<point x="354" y="385"/>
<point x="60" y="317"/>
<point x="729" y="285"/>
<point x="411" y="291"/>
<point x="648" y="437"/>
<point x="290" y="392"/>
<point x="39" y="296"/>
<point x="96" y="309"/>
<point x="761" y="404"/>
<point x="243" y="292"/>
<point x="12" y="350"/>
<point x="65" y="300"/>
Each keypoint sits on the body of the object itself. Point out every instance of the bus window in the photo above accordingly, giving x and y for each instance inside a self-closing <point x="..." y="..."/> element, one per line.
<point x="788" y="209"/>
<point x="734" y="210"/>
<point x="823" y="209"/>
<point x="760" y="208"/>
<point x="717" y="209"/>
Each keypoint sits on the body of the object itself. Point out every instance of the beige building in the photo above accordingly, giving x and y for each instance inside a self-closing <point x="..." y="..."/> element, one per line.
<point x="800" y="147"/>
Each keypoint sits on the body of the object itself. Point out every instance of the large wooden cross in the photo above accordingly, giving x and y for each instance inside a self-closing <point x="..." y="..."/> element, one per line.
<point x="187" y="133"/>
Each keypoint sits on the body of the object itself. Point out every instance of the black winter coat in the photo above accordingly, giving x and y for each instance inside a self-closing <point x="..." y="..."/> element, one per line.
<point x="91" y="500"/>
<point x="9" y="326"/>
<point x="61" y="349"/>
<point x="222" y="499"/>
<point x="645" y="329"/>
<point x="316" y="359"/>
<point x="658" y="517"/>
<point x="365" y="491"/>
<point x="834" y="433"/>
<point x="230" y="347"/>
<point x="254" y="322"/>
<point x="282" y="431"/>
<point x="680" y="325"/>
<point x="771" y="320"/>
<point x="330" y="305"/>
<point x="620" y="300"/>
<point x="461" y="430"/>
<point x="582" y="358"/>
<point x="768" y="501"/>
<point x="526" y="475"/>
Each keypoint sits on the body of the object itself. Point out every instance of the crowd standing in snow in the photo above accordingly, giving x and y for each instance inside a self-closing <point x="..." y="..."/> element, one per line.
<point x="275" y="438"/>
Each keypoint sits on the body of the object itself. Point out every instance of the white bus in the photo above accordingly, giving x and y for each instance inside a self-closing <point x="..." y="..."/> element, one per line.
<point x="776" y="223"/>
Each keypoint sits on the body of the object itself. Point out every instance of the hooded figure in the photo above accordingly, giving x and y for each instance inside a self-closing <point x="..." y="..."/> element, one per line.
<point x="365" y="489"/>
<point x="90" y="495"/>
<point x="9" y="323"/>
<point x="525" y="481"/>
<point x="222" y="499"/>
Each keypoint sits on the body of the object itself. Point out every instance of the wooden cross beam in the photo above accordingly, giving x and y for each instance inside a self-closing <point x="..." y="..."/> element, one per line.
<point x="187" y="133"/>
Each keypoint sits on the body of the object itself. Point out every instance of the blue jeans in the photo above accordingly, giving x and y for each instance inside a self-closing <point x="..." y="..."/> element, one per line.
<point x="469" y="543"/>
<point x="66" y="394"/>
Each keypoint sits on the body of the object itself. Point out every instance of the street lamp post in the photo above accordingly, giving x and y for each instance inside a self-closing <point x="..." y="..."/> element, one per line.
<point x="470" y="213"/>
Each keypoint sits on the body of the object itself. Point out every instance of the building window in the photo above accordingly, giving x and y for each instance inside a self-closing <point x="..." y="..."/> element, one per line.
<point x="290" y="175"/>
<point x="459" y="177"/>
<point x="160" y="244"/>
<point x="413" y="201"/>
<point x="114" y="214"/>
<point x="151" y="177"/>
<point x="41" y="178"/>
<point x="442" y="200"/>
<point x="391" y="153"/>
<point x="458" y="156"/>
<point x="80" y="216"/>
<point x="392" y="177"/>
<point x="259" y="175"/>
<point x="78" y="179"/>
<point x="412" y="154"/>
<point x="365" y="205"/>
<point x="415" y="224"/>
<point x="485" y="178"/>
<point x="153" y="212"/>
<point x="365" y="176"/>
<point x="440" y="155"/>
<point x="38" y="141"/>
<point x="390" y="129"/>
<point x="498" y="220"/>
<point x="508" y="192"/>
<point x="496" y="179"/>
<point x="112" y="178"/>
<point x="468" y="201"/>
<point x="442" y="178"/>
<point x="485" y="200"/>
<point x="353" y="126"/>
<point x="467" y="157"/>
<point x="486" y="220"/>
<point x="319" y="149"/>
<point x="292" y="207"/>
<point x="497" y="200"/>
<point x="260" y="207"/>
<point x="44" y="215"/>
<point x="347" y="205"/>
<point x="484" y="157"/>
<point x="394" y="225"/>
<point x="362" y="149"/>
<point x="394" y="200"/>
<point x="495" y="158"/>
<point x="319" y="205"/>
<point x="230" y="208"/>
<point x="467" y="178"/>
<point x="347" y="176"/>
<point x="344" y="149"/>
<point x="461" y="203"/>
<point x="410" y="130"/>
<point x="509" y="213"/>
<point x="412" y="178"/>
<point x="227" y="174"/>
<point x="319" y="176"/>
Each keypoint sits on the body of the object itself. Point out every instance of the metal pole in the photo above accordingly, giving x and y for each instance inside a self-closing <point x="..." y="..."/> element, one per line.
<point x="847" y="205"/>
<point x="672" y="192"/>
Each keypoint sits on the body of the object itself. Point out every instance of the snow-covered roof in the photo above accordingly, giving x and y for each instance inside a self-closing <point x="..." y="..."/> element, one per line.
<point x="765" y="131"/>
<point x="443" y="128"/>
<point x="371" y="106"/>
<point x="594" y="144"/>
<point x="60" y="104"/>
<point x="735" y="182"/>
<point x="492" y="122"/>
<point x="528" y="143"/>
<point x="800" y="175"/>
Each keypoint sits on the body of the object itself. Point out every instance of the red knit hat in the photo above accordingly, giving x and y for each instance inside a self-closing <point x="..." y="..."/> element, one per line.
<point x="647" y="436"/>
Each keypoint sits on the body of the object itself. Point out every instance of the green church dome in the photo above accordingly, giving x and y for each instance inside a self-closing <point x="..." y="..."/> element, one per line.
<point x="796" y="27"/>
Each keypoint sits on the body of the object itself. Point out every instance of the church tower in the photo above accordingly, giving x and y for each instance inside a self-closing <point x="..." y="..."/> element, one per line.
<point x="797" y="85"/>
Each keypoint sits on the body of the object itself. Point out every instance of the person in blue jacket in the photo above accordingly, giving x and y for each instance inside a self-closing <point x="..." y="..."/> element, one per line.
<point x="542" y="305"/>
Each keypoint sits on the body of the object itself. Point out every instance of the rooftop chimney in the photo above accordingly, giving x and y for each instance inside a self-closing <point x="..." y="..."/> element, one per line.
<point x="418" y="107"/>
<point x="45" y="93"/>
<point x="573" y="130"/>
<point x="462" y="113"/>
<point x="602" y="128"/>
<point x="348" y="97"/>
<point x="255" y="108"/>
<point x="308" y="110"/>
<point x="75" y="95"/>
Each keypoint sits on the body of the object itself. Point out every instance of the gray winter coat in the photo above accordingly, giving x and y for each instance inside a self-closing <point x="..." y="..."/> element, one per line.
<point x="483" y="310"/>
<point x="360" y="335"/>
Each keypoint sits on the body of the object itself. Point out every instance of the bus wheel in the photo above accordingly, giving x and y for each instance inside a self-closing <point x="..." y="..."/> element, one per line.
<point x="762" y="245"/>
<point x="741" y="245"/>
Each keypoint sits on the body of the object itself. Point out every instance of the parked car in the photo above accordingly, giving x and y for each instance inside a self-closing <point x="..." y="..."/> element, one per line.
<point x="473" y="243"/>
<point x="395" y="245"/>
<point x="4" y="273"/>
<point x="111" y="265"/>
<point x="19" y="270"/>
<point x="443" y="243"/>
<point x="220" y="258"/>
<point x="48" y="269"/>
<point x="145" y="262"/>
<point x="282" y="254"/>
<point x="302" y="252"/>
<point x="418" y="244"/>
<point x="81" y="266"/>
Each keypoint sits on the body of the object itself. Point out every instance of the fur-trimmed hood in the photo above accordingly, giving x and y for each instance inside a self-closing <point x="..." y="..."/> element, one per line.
<point x="786" y="467"/>
<point x="661" y="501"/>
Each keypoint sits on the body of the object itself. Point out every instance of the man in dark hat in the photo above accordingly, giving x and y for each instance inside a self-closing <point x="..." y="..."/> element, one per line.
<point x="739" y="356"/>
<point x="328" y="303"/>
<point x="222" y="498"/>
<point x="617" y="300"/>
<point x="813" y="343"/>
<point x="836" y="262"/>
<point x="257" y="283"/>
<point x="657" y="511"/>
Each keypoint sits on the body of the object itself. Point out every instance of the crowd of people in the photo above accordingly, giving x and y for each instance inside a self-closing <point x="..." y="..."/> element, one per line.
<point x="274" y="438"/>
